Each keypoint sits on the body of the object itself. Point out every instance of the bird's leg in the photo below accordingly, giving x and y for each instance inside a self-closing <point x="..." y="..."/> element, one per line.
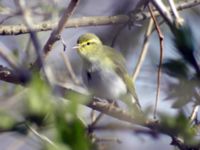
<point x="113" y="103"/>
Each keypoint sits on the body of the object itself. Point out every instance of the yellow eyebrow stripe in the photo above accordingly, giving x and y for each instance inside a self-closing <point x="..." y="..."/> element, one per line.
<point x="90" y="41"/>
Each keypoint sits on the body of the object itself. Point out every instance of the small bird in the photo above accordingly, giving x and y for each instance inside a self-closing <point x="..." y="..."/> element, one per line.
<point x="104" y="72"/>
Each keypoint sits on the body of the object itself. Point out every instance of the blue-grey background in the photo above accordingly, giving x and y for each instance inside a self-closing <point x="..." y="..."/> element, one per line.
<point x="129" y="42"/>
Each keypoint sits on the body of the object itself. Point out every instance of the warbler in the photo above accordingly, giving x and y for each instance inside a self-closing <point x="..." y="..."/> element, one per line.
<point x="104" y="72"/>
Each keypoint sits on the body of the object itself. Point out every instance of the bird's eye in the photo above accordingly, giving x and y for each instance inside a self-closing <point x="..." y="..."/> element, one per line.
<point x="88" y="43"/>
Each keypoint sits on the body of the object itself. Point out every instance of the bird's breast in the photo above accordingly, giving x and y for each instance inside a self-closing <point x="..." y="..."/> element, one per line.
<point x="104" y="83"/>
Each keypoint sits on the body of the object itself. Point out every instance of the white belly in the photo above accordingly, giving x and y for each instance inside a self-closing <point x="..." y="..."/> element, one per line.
<point x="104" y="84"/>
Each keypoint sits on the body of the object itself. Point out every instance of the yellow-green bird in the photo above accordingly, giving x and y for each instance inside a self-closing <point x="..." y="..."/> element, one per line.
<point x="104" y="72"/>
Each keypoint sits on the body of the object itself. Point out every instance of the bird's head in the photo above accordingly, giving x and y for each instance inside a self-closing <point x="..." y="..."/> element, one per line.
<point x="88" y="45"/>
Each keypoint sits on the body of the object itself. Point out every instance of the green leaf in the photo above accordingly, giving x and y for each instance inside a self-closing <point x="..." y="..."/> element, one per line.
<point x="175" y="68"/>
<point x="185" y="44"/>
<point x="71" y="130"/>
<point x="38" y="100"/>
<point x="7" y="121"/>
<point x="178" y="126"/>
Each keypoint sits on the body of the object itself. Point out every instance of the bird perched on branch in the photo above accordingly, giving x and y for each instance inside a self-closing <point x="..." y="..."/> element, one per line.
<point x="104" y="71"/>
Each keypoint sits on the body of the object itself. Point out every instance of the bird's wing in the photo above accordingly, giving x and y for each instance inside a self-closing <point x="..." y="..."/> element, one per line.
<point x="120" y="67"/>
<point x="131" y="87"/>
<point x="116" y="57"/>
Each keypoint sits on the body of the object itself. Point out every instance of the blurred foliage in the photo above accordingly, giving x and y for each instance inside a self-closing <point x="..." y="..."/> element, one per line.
<point x="179" y="126"/>
<point x="42" y="107"/>
<point x="38" y="100"/>
<point x="70" y="129"/>
<point x="185" y="89"/>
<point x="7" y="121"/>
<point x="185" y="44"/>
<point x="175" y="68"/>
<point x="77" y="97"/>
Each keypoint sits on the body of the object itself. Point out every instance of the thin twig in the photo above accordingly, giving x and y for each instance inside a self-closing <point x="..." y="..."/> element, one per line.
<point x="173" y="9"/>
<point x="68" y="65"/>
<point x="42" y="137"/>
<point x="144" y="50"/>
<point x="55" y="34"/>
<point x="161" y="37"/>
<point x="194" y="113"/>
<point x="92" y="115"/>
<point x="178" y="20"/>
<point x="88" y="21"/>
<point x="115" y="112"/>
<point x="8" y="59"/>
<point x="164" y="12"/>
<point x="96" y="120"/>
<point x="7" y="18"/>
<point x="29" y="23"/>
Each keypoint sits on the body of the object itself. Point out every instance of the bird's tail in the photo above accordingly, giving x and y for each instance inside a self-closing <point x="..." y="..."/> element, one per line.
<point x="133" y="105"/>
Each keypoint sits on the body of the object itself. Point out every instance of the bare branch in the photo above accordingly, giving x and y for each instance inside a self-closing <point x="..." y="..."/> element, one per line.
<point x="15" y="76"/>
<point x="88" y="21"/>
<point x="161" y="37"/>
<point x="180" y="144"/>
<point x="8" y="75"/>
<point x="96" y="119"/>
<point x="144" y="50"/>
<point x="68" y="65"/>
<point x="42" y="137"/>
<point x="194" y="113"/>
<point x="29" y="23"/>
<point x="116" y="112"/>
<point x="173" y="8"/>
<point x="55" y="34"/>
<point x="165" y="13"/>
<point x="178" y="20"/>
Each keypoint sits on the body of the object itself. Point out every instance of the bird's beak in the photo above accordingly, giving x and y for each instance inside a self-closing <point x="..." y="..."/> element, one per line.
<point x="76" y="47"/>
